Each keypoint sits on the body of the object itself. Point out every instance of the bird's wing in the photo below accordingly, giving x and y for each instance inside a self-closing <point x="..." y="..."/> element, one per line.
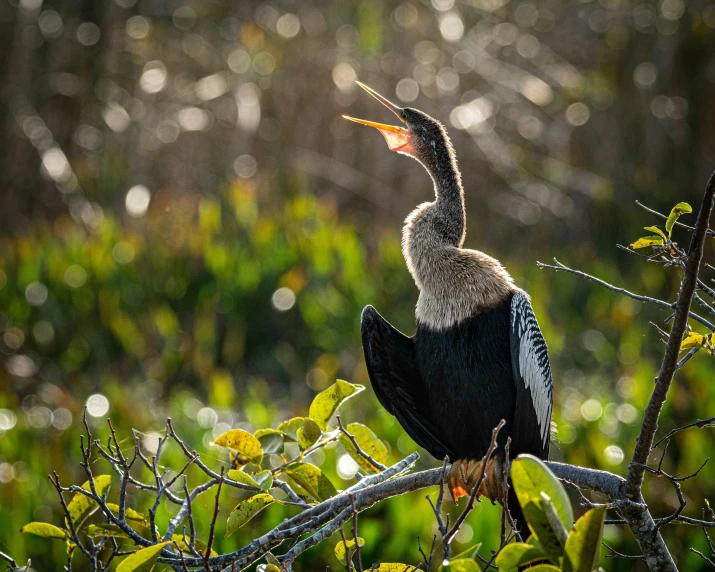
<point x="390" y="359"/>
<point x="532" y="375"/>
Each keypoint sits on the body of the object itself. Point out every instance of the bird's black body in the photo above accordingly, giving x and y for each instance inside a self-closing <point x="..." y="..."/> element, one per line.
<point x="469" y="363"/>
<point x="478" y="355"/>
<point x="450" y="388"/>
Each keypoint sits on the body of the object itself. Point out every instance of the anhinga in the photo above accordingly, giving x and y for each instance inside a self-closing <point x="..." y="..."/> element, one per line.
<point x="478" y="355"/>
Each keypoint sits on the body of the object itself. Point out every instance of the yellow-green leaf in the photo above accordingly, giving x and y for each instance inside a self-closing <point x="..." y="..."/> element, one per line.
<point x="395" y="567"/>
<point x="271" y="441"/>
<point x="516" y="554"/>
<point x="679" y="209"/>
<point x="368" y="442"/>
<point x="583" y="544"/>
<point x="245" y="511"/>
<point x="692" y="340"/>
<point x="544" y="568"/>
<point x="243" y="478"/>
<point x="647" y="241"/>
<point x="312" y="480"/>
<point x="129" y="513"/>
<point x="531" y="477"/>
<point x="656" y="230"/>
<point x="142" y="560"/>
<point x="105" y="530"/>
<point x="81" y="506"/>
<point x="326" y="403"/>
<point x="340" y="549"/>
<point x="461" y="565"/>
<point x="247" y="447"/>
<point x="308" y="434"/>
<point x="267" y="568"/>
<point x="184" y="547"/>
<point x="45" y="530"/>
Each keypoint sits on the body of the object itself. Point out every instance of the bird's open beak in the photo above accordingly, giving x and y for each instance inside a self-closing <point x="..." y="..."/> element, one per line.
<point x="397" y="138"/>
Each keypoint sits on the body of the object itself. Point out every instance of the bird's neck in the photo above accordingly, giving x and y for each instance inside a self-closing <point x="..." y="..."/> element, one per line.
<point x="449" y="206"/>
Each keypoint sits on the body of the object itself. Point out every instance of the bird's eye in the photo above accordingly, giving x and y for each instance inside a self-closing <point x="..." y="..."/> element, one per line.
<point x="404" y="116"/>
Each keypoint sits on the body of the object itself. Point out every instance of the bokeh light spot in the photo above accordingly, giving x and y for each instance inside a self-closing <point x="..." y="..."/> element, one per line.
<point x="591" y="409"/>
<point x="407" y="89"/>
<point x="577" y="114"/>
<point x="88" y="33"/>
<point x="8" y="419"/>
<point x="137" y="201"/>
<point x="75" y="276"/>
<point x="283" y="299"/>
<point x="644" y="75"/>
<point x="123" y="253"/>
<point x="288" y="25"/>
<point x="97" y="405"/>
<point x="613" y="455"/>
<point x="36" y="293"/>
<point x="347" y="467"/>
<point x="451" y="27"/>
<point x="245" y="166"/>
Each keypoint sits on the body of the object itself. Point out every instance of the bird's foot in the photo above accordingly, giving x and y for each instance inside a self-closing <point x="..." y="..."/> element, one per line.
<point x="464" y="474"/>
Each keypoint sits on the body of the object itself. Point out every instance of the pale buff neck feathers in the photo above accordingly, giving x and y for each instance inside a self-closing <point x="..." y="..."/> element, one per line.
<point x="455" y="283"/>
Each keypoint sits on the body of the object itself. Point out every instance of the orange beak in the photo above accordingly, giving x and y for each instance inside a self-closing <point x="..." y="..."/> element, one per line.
<point x="397" y="138"/>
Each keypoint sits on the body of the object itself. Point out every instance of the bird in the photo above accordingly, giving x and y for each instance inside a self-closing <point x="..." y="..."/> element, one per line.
<point x="478" y="355"/>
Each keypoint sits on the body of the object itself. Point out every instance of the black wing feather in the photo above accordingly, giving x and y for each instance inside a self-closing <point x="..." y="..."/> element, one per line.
<point x="391" y="365"/>
<point x="534" y="385"/>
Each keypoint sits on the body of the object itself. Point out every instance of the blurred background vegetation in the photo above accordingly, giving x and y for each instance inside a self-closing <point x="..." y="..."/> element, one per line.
<point x="189" y="228"/>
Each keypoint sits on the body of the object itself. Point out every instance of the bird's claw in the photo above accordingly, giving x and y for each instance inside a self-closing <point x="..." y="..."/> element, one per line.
<point x="464" y="474"/>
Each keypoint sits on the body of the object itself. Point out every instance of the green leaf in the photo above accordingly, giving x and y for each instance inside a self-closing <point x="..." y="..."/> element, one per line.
<point x="469" y="550"/>
<point x="267" y="568"/>
<point x="556" y="525"/>
<point x="461" y="565"/>
<point x="340" y="549"/>
<point x="326" y="403"/>
<point x="105" y="530"/>
<point x="247" y="447"/>
<point x="530" y="477"/>
<point x="243" y="478"/>
<point x="368" y="442"/>
<point x="264" y="480"/>
<point x="184" y="547"/>
<point x="81" y="506"/>
<point x="544" y="568"/>
<point x="308" y="434"/>
<point x="290" y="428"/>
<point x="271" y="441"/>
<point x="395" y="567"/>
<point x="45" y="530"/>
<point x="679" y="209"/>
<point x="647" y="241"/>
<point x="656" y="230"/>
<point x="245" y="511"/>
<point x="583" y="544"/>
<point x="312" y="480"/>
<point x="514" y="555"/>
<point x="142" y="560"/>
<point x="129" y="513"/>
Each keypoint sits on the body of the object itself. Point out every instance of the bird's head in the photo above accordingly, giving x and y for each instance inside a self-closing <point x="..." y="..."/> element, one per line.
<point x="420" y="136"/>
